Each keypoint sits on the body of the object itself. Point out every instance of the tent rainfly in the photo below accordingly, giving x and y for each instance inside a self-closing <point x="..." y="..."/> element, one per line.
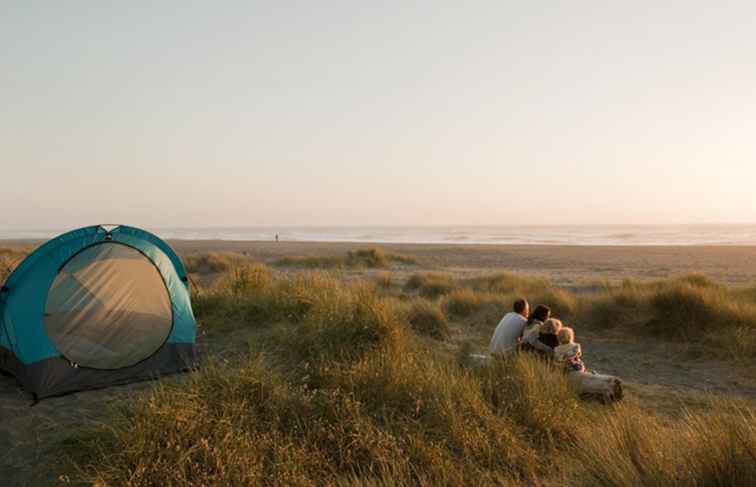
<point x="96" y="307"/>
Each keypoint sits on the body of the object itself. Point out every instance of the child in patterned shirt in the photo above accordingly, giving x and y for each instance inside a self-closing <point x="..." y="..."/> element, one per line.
<point x="568" y="353"/>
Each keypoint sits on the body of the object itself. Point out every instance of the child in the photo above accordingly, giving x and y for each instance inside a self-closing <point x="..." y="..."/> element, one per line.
<point x="568" y="352"/>
<point x="547" y="332"/>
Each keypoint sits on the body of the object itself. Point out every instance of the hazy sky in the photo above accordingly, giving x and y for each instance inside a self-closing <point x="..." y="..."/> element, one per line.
<point x="386" y="113"/>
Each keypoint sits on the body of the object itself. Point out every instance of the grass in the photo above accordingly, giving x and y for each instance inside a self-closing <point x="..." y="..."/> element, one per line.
<point x="339" y="388"/>
<point x="370" y="258"/>
<point x="9" y="259"/>
<point x="430" y="284"/>
<point x="213" y="262"/>
<point x="462" y="303"/>
<point x="426" y="318"/>
<point x="688" y="309"/>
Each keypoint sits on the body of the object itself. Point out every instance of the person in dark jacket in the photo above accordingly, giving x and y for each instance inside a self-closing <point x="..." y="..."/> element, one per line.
<point x="530" y="342"/>
<point x="547" y="333"/>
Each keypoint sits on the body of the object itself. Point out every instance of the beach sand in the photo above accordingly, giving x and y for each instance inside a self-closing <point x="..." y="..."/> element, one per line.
<point x="563" y="264"/>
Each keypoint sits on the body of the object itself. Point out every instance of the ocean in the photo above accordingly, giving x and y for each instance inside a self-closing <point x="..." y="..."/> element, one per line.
<point x="518" y="235"/>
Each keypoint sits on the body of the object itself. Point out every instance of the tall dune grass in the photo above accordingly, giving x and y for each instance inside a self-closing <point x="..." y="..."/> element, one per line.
<point x="9" y="259"/>
<point x="370" y="258"/>
<point x="346" y="394"/>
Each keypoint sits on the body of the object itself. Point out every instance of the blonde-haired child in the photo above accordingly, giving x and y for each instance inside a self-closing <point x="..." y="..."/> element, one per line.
<point x="568" y="353"/>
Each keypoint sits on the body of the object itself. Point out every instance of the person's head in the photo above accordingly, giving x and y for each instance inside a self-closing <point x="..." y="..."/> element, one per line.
<point x="540" y="313"/>
<point x="551" y="326"/>
<point x="566" y="335"/>
<point x="521" y="307"/>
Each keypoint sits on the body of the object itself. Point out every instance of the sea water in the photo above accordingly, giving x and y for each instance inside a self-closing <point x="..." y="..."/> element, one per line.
<point x="724" y="234"/>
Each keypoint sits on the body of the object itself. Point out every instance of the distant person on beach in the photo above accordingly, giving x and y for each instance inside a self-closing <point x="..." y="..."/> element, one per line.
<point x="568" y="353"/>
<point x="507" y="334"/>
<point x="276" y="237"/>
<point x="531" y="334"/>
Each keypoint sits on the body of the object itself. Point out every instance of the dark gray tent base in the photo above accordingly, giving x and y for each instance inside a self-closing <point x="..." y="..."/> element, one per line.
<point x="56" y="376"/>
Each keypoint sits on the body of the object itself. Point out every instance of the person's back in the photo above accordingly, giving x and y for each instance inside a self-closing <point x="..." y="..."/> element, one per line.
<point x="507" y="334"/>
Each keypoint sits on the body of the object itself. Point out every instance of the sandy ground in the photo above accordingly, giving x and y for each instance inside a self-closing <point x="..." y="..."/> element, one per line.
<point x="656" y="374"/>
<point x="563" y="264"/>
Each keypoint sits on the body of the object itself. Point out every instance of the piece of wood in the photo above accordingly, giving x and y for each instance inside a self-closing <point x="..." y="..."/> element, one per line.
<point x="606" y="388"/>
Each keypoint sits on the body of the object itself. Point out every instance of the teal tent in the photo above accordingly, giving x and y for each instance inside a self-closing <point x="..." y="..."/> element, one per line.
<point x="95" y="307"/>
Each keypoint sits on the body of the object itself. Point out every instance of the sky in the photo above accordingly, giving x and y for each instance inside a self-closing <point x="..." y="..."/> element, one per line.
<point x="245" y="113"/>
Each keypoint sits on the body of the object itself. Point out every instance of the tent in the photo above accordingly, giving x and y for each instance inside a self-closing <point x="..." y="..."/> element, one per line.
<point x="94" y="307"/>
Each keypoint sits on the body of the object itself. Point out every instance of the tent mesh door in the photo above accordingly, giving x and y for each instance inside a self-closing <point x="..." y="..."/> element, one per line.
<point x="108" y="308"/>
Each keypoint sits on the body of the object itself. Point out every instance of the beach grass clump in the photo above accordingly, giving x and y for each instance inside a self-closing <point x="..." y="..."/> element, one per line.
<point x="213" y="262"/>
<point x="430" y="284"/>
<point x="635" y="448"/>
<point x="384" y="280"/>
<point x="563" y="303"/>
<point x="369" y="258"/>
<point x="465" y="302"/>
<point x="10" y="258"/>
<point x="506" y="283"/>
<point x="342" y="322"/>
<point x="310" y="262"/>
<point x="688" y="309"/>
<point x="426" y="318"/>
<point x="687" y="313"/>
<point x="535" y="395"/>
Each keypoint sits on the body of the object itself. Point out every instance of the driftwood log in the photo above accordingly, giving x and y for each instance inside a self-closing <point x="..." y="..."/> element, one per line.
<point x="605" y="388"/>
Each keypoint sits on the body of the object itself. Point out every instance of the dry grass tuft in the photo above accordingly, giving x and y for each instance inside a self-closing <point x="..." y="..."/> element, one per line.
<point x="426" y="318"/>
<point x="213" y="262"/>
<point x="347" y="394"/>
<point x="10" y="258"/>
<point x="369" y="258"/>
<point x="430" y="284"/>
<point x="465" y="302"/>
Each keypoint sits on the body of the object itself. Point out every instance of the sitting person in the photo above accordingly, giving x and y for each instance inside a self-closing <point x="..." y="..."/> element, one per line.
<point x="507" y="334"/>
<point x="568" y="353"/>
<point x="547" y="333"/>
<point x="530" y="341"/>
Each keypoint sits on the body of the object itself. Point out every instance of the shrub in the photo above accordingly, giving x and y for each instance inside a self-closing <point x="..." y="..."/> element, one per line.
<point x="562" y="303"/>
<point x="310" y="262"/>
<point x="506" y="283"/>
<point x="9" y="259"/>
<point x="462" y="303"/>
<point x="427" y="319"/>
<point x="635" y="448"/>
<point x="213" y="262"/>
<point x="384" y="280"/>
<point x="686" y="312"/>
<point x="535" y="395"/>
<point x="430" y="284"/>
<point x="371" y="258"/>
